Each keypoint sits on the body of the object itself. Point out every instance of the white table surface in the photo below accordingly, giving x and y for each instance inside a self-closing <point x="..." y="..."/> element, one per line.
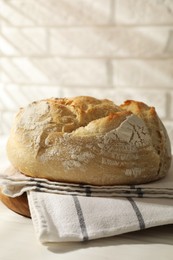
<point x="18" y="241"/>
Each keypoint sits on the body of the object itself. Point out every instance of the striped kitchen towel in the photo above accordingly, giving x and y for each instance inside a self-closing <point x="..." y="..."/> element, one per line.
<point x="14" y="184"/>
<point x="59" y="218"/>
<point x="73" y="212"/>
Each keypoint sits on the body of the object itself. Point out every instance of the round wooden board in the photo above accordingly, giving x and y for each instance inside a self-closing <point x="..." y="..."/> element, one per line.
<point x="18" y="204"/>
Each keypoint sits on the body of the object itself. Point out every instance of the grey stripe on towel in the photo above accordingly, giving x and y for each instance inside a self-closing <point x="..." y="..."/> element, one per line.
<point x="81" y="218"/>
<point x="138" y="213"/>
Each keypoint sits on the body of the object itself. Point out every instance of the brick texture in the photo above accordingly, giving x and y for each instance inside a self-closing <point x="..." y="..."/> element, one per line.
<point x="25" y="41"/>
<point x="67" y="72"/>
<point x="6" y="118"/>
<point x="112" y="42"/>
<point x="140" y="12"/>
<point x="143" y="73"/>
<point x="13" y="96"/>
<point x="55" y="13"/>
<point x="116" y="49"/>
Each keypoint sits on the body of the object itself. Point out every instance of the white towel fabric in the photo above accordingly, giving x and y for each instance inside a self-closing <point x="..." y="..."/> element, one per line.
<point x="70" y="212"/>
<point x="59" y="218"/>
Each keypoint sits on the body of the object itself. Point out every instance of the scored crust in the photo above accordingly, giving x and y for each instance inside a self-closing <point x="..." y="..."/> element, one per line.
<point x="92" y="141"/>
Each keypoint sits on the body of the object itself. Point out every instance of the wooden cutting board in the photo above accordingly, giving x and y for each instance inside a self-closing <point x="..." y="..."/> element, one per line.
<point x="18" y="204"/>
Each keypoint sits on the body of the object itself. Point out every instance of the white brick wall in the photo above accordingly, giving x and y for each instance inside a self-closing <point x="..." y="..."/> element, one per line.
<point x="117" y="49"/>
<point x="54" y="70"/>
<point x="23" y="41"/>
<point x="144" y="12"/>
<point x="55" y="12"/>
<point x="111" y="42"/>
<point x="143" y="73"/>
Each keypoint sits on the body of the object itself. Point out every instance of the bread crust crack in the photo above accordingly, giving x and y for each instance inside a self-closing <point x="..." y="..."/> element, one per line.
<point x="87" y="140"/>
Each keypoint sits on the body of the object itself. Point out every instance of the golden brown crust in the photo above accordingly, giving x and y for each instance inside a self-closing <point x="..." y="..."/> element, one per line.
<point x="157" y="131"/>
<point x="86" y="140"/>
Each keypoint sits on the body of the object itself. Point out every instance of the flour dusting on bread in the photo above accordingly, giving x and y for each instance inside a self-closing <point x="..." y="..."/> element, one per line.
<point x="87" y="140"/>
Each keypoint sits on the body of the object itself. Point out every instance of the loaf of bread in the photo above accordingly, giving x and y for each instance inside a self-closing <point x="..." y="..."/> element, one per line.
<point x="91" y="141"/>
